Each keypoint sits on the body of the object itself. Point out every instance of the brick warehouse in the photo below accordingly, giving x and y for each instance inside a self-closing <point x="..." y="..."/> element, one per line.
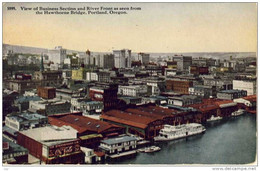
<point x="215" y="107"/>
<point x="106" y="94"/>
<point x="199" y="70"/>
<point x="89" y="131"/>
<point x="146" y="121"/>
<point x="179" y="86"/>
<point x="46" y="92"/>
<point x="52" y="145"/>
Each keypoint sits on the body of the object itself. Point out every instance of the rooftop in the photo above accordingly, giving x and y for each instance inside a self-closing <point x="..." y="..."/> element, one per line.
<point x="181" y="108"/>
<point x="250" y="98"/>
<point x="212" y="104"/>
<point x="91" y="102"/>
<point x="49" y="133"/>
<point x="50" y="101"/>
<point x="13" y="147"/>
<point x="82" y="123"/>
<point x="202" y="86"/>
<point x="128" y="97"/>
<point x="129" y="118"/>
<point x="9" y="130"/>
<point x="139" y="117"/>
<point x="8" y="92"/>
<point x="231" y="91"/>
<point x="28" y="98"/>
<point x="26" y="117"/>
<point x="117" y="140"/>
<point x="184" y="97"/>
<point x="132" y="86"/>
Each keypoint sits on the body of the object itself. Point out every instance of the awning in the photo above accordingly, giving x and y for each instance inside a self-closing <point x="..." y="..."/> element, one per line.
<point x="227" y="105"/>
<point x="85" y="137"/>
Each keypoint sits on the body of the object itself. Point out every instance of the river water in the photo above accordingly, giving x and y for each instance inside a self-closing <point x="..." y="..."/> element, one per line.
<point x="229" y="141"/>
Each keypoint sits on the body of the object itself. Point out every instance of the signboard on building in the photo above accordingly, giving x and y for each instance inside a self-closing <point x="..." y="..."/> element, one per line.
<point x="63" y="149"/>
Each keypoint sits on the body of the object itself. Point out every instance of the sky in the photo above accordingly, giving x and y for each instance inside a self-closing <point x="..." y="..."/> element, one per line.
<point x="157" y="27"/>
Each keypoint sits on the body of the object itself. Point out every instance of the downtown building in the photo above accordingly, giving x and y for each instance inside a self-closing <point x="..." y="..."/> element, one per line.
<point x="107" y="61"/>
<point x="183" y="62"/>
<point x="133" y="90"/>
<point x="144" y="58"/>
<point x="89" y="131"/>
<point x="247" y="85"/>
<point x="106" y="94"/>
<point x="49" y="78"/>
<point x="179" y="86"/>
<point x="52" y="144"/>
<point x="57" y="56"/>
<point x="50" y="106"/>
<point x="231" y="94"/>
<point x="46" y="92"/>
<point x="23" y="121"/>
<point x="122" y="58"/>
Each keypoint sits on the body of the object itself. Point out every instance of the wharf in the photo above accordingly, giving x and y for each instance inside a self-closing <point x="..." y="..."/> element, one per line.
<point x="123" y="154"/>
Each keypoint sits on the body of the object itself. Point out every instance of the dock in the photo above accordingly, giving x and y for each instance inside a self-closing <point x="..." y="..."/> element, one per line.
<point x="127" y="153"/>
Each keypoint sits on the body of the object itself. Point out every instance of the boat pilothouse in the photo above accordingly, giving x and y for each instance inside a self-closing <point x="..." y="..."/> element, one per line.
<point x="175" y="132"/>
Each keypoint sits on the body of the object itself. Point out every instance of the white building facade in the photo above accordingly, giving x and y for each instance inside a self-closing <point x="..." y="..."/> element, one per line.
<point x="122" y="58"/>
<point x="249" y="86"/>
<point x="57" y="56"/>
<point x="133" y="90"/>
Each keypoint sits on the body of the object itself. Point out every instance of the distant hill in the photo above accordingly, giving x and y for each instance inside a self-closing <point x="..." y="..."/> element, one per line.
<point x="23" y="49"/>
<point x="35" y="50"/>
<point x="215" y="55"/>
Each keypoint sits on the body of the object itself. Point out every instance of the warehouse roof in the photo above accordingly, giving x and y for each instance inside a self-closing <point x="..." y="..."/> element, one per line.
<point x="250" y="98"/>
<point x="49" y="133"/>
<point x="82" y="123"/>
<point x="117" y="140"/>
<point x="139" y="117"/>
<point x="131" y="118"/>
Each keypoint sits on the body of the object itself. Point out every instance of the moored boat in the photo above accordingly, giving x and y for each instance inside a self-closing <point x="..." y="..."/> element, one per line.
<point x="152" y="149"/>
<point x="214" y="118"/>
<point x="181" y="131"/>
<point x="149" y="149"/>
<point x="238" y="112"/>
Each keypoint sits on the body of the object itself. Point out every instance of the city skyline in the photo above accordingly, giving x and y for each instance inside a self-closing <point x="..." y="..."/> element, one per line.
<point x="158" y="27"/>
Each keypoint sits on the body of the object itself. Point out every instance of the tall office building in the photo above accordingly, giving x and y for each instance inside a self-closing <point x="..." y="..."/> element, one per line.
<point x="57" y="56"/>
<point x="107" y="61"/>
<point x="122" y="58"/>
<point x="183" y="62"/>
<point x="144" y="58"/>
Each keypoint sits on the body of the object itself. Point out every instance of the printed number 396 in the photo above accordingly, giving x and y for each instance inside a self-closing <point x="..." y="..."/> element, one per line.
<point x="11" y="8"/>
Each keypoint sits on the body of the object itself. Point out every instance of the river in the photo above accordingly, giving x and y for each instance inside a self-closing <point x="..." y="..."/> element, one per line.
<point x="229" y="141"/>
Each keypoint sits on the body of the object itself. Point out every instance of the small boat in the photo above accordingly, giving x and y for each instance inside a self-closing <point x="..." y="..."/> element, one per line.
<point x="141" y="150"/>
<point x="149" y="149"/>
<point x="214" y="118"/>
<point x="238" y="112"/>
<point x="152" y="149"/>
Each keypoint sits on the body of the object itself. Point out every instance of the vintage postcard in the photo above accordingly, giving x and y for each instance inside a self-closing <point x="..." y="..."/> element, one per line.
<point x="132" y="84"/>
